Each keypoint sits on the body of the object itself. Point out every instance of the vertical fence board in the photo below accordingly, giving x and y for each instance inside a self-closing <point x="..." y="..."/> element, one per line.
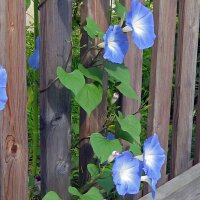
<point x="197" y="140"/>
<point x="98" y="11"/>
<point x="161" y="72"/>
<point x="56" y="28"/>
<point x="185" y="85"/>
<point x="133" y="61"/>
<point x="13" y="130"/>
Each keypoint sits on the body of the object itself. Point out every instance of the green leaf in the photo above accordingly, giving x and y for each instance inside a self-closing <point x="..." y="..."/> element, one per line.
<point x="136" y="149"/>
<point x="28" y="3"/>
<point x="123" y="134"/>
<point x="93" y="29"/>
<point x="132" y="125"/>
<point x="120" y="9"/>
<point x="89" y="97"/>
<point x="51" y="196"/>
<point x="93" y="73"/>
<point x="119" y="72"/>
<point x="106" y="181"/>
<point x="74" y="191"/>
<point x="74" y="81"/>
<point x="128" y="91"/>
<point x="102" y="147"/>
<point x="93" y="170"/>
<point x="92" y="194"/>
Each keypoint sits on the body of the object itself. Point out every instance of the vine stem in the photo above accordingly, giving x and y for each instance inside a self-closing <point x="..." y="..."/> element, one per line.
<point x="35" y="134"/>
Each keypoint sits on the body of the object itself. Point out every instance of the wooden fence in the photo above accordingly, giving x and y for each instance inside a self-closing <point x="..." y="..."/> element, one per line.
<point x="174" y="52"/>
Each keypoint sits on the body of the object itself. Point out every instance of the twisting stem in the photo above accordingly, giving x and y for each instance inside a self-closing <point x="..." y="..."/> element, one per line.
<point x="52" y="82"/>
<point x="49" y="85"/>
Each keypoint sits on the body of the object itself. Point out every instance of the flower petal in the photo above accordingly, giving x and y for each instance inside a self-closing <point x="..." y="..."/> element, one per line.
<point x="3" y="98"/>
<point x="152" y="184"/>
<point x="3" y="95"/>
<point x="34" y="59"/>
<point x="3" y="77"/>
<point x="116" y="44"/>
<point x="140" y="19"/>
<point x="154" y="157"/>
<point x="127" y="173"/>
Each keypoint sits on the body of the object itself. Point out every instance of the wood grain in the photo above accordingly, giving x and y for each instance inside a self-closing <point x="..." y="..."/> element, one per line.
<point x="13" y="129"/>
<point x="56" y="29"/>
<point x="197" y="139"/>
<point x="161" y="72"/>
<point x="184" y="85"/>
<point x="98" y="11"/>
<point x="184" y="186"/>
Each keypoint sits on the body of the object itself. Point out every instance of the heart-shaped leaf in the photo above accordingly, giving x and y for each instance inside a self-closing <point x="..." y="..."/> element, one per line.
<point x="74" y="81"/>
<point x="92" y="194"/>
<point x="128" y="91"/>
<point x="93" y="170"/>
<point x="102" y="147"/>
<point x="106" y="181"/>
<point x="136" y="149"/>
<point x="93" y="73"/>
<point x="132" y="125"/>
<point x="118" y="71"/>
<point x="120" y="9"/>
<point x="51" y="196"/>
<point x="93" y="29"/>
<point x="89" y="97"/>
<point x="74" y="191"/>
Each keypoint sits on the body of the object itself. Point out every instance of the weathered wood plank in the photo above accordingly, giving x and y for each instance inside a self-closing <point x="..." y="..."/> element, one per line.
<point x="56" y="28"/>
<point x="184" y="186"/>
<point x="161" y="72"/>
<point x="184" y="85"/>
<point x="13" y="130"/>
<point x="197" y="145"/>
<point x="133" y="61"/>
<point x="98" y="11"/>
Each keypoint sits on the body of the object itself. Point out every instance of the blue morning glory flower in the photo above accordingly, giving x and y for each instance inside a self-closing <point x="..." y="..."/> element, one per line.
<point x="153" y="157"/>
<point x="110" y="136"/>
<point x="3" y="95"/>
<point x="34" y="59"/>
<point x="126" y="173"/>
<point x="140" y="20"/>
<point x="152" y="184"/>
<point x="116" y="44"/>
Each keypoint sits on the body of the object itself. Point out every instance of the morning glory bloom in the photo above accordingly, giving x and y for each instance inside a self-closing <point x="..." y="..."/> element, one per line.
<point x="34" y="59"/>
<point x="140" y="21"/>
<point x="115" y="44"/>
<point x="153" y="157"/>
<point x="3" y="95"/>
<point x="152" y="184"/>
<point x="110" y="136"/>
<point x="126" y="173"/>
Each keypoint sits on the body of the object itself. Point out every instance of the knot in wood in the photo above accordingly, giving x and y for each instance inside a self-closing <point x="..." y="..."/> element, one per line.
<point x="12" y="148"/>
